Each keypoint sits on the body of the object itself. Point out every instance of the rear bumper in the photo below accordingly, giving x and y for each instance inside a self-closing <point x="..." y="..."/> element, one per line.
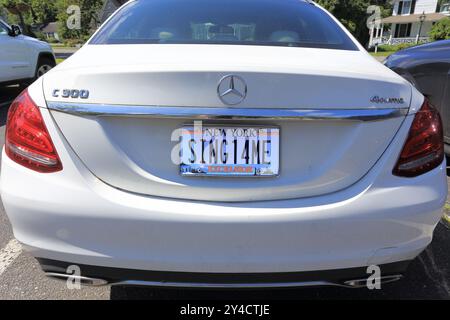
<point x="95" y="275"/>
<point x="87" y="222"/>
<point x="74" y="217"/>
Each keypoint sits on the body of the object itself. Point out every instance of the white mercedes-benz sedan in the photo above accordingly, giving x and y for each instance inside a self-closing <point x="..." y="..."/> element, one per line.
<point x="227" y="143"/>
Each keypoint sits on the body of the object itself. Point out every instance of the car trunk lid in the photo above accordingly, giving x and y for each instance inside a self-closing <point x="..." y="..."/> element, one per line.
<point x="326" y="104"/>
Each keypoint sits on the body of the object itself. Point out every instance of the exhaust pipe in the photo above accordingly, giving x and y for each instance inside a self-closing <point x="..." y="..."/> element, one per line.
<point x="362" y="283"/>
<point x="85" y="281"/>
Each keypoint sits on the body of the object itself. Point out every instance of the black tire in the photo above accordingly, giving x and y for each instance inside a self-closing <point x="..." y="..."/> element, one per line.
<point x="43" y="66"/>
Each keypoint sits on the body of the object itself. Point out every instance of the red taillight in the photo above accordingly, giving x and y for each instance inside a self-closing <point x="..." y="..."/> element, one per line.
<point x="27" y="140"/>
<point x="424" y="148"/>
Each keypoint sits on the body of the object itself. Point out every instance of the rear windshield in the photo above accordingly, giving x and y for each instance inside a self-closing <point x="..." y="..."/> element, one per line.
<point x="293" y="23"/>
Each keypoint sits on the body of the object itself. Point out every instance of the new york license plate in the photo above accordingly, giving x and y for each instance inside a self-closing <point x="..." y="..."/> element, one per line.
<point x="230" y="151"/>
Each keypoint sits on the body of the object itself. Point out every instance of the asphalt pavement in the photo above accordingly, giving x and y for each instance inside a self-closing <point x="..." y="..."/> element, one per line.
<point x="21" y="278"/>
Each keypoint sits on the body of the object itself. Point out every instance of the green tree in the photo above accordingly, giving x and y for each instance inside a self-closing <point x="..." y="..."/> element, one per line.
<point x="30" y="12"/>
<point x="89" y="10"/>
<point x="441" y="30"/>
<point x="43" y="11"/>
<point x="3" y="12"/>
<point x="353" y="14"/>
<point x="20" y="13"/>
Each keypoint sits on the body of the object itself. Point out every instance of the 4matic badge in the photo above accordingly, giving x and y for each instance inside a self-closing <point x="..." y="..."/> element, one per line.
<point x="382" y="100"/>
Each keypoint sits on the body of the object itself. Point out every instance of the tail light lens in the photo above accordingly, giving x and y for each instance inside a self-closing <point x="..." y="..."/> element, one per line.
<point x="27" y="139"/>
<point x="424" y="148"/>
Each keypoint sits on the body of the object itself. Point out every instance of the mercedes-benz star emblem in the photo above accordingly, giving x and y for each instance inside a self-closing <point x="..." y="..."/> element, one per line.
<point x="232" y="90"/>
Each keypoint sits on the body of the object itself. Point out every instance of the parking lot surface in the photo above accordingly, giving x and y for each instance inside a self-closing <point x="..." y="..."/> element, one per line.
<point x="21" y="278"/>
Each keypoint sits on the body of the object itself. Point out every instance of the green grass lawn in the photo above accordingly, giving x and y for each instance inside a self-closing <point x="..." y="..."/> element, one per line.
<point x="61" y="46"/>
<point x="382" y="53"/>
<point x="58" y="61"/>
<point x="446" y="217"/>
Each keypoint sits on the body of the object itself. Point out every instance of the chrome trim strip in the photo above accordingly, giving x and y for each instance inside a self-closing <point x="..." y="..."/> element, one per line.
<point x="88" y="281"/>
<point x="360" y="283"/>
<point x="226" y="113"/>
<point x="230" y="285"/>
<point x="33" y="156"/>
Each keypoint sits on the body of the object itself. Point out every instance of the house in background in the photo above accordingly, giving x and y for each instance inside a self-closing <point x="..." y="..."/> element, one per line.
<point x="411" y="21"/>
<point x="50" y="31"/>
<point x="445" y="9"/>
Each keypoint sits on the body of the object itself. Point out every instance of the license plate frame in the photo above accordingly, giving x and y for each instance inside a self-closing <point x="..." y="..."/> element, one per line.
<point x="269" y="159"/>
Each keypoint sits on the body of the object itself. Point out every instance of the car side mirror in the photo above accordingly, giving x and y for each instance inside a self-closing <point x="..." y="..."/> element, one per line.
<point x="15" y="31"/>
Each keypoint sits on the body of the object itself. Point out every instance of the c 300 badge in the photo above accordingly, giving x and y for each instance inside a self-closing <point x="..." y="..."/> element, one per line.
<point x="70" y="93"/>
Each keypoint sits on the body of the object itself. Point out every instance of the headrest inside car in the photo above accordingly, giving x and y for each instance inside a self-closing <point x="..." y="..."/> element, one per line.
<point x="284" y="36"/>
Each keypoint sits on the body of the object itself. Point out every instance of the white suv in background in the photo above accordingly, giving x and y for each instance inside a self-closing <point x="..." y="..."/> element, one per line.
<point x="22" y="59"/>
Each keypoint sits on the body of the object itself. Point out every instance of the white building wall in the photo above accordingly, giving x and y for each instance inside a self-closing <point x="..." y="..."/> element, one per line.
<point x="429" y="6"/>
<point x="426" y="28"/>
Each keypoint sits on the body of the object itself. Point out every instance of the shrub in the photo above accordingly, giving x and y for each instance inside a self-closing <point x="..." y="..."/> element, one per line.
<point x="40" y="36"/>
<point x="52" y="40"/>
<point x="72" y="42"/>
<point x="394" y="48"/>
<point x="441" y="30"/>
